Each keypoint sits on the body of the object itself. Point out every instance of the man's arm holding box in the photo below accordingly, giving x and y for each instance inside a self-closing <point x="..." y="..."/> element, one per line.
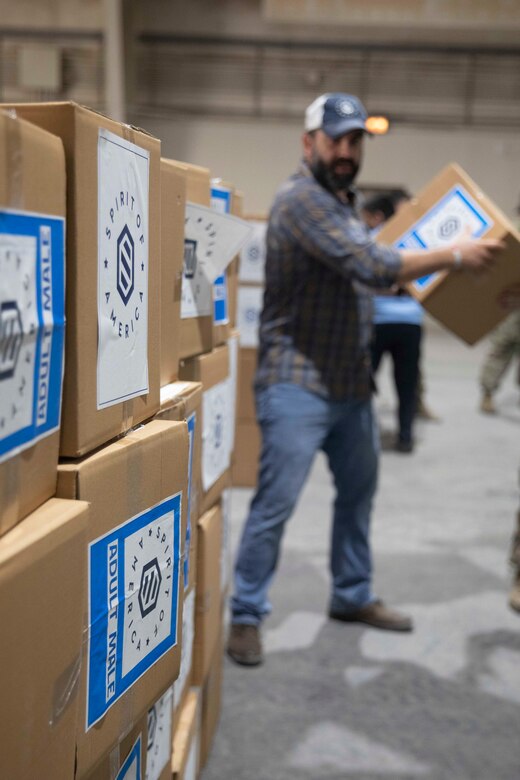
<point x="476" y="255"/>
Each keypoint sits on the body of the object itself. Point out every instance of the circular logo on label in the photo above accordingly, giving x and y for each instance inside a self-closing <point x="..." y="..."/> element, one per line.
<point x="346" y="108"/>
<point x="251" y="315"/>
<point x="449" y="227"/>
<point x="253" y="253"/>
<point x="123" y="263"/>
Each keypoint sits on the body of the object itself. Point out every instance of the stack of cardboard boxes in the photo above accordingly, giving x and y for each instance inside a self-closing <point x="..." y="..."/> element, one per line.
<point x="250" y="299"/>
<point x="116" y="441"/>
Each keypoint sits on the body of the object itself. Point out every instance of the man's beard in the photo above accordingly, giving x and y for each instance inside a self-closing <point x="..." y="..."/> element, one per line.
<point x="328" y="178"/>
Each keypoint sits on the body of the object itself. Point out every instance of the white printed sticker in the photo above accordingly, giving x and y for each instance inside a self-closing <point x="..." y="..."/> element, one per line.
<point x="249" y="308"/>
<point x="216" y="238"/>
<point x="252" y="256"/>
<point x="32" y="325"/>
<point x="188" y="636"/>
<point x="216" y="456"/>
<point x="159" y="747"/>
<point x="454" y="216"/>
<point x="133" y="602"/>
<point x="123" y="235"/>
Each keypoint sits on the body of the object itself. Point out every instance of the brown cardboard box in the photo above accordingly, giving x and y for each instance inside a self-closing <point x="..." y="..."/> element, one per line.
<point x="211" y="694"/>
<point x="208" y="597"/>
<point x="237" y="208"/>
<point x="218" y="414"/>
<point x="439" y="215"/>
<point x="247" y="454"/>
<point x="125" y="756"/>
<point x="182" y="684"/>
<point x="137" y="490"/>
<point x="173" y="207"/>
<point x="247" y="360"/>
<point x="183" y="401"/>
<point x="32" y="179"/>
<point x="41" y="585"/>
<point x="186" y="740"/>
<point x="233" y="344"/>
<point x="196" y="334"/>
<point x="107" y="259"/>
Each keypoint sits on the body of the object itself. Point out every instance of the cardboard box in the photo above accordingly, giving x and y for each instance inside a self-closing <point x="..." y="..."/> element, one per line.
<point x="196" y="334"/>
<point x="211" y="695"/>
<point x="32" y="317"/>
<point x="218" y="415"/>
<point x="113" y="273"/>
<point x="225" y="286"/>
<point x="246" y="408"/>
<point x="208" y="596"/>
<point x="186" y="740"/>
<point x="237" y="208"/>
<point x="42" y="584"/>
<point x="173" y="207"/>
<point x="127" y="757"/>
<point x="182" y="684"/>
<point x="137" y="489"/>
<point x="247" y="454"/>
<point x="226" y="563"/>
<point x="183" y="401"/>
<point x="440" y="214"/>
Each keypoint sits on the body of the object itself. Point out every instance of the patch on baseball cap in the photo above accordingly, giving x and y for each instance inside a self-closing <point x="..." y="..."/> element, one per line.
<point x="336" y="113"/>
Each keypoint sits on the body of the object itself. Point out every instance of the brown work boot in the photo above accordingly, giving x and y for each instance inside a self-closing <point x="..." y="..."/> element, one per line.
<point x="244" y="645"/>
<point x="376" y="615"/>
<point x="514" y="594"/>
<point x="425" y="413"/>
<point x="486" y="404"/>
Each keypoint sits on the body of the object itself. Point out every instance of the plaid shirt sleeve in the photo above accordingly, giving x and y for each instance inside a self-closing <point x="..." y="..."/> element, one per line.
<point x="330" y="232"/>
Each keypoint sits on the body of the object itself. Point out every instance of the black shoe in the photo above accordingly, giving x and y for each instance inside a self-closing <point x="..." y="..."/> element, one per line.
<point x="404" y="446"/>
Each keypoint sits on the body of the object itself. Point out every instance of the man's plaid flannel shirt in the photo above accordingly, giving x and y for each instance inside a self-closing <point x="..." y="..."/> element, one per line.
<point x="316" y="323"/>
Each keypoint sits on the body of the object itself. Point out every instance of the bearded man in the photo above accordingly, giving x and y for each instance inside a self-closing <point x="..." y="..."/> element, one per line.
<point x="313" y="383"/>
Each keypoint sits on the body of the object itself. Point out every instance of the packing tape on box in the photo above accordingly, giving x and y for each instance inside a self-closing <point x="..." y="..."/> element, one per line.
<point x="128" y="415"/>
<point x="65" y="689"/>
<point x="14" y="161"/>
<point x="114" y="762"/>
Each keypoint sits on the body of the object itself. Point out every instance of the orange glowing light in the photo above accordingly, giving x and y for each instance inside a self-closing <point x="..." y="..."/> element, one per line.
<point x="378" y="125"/>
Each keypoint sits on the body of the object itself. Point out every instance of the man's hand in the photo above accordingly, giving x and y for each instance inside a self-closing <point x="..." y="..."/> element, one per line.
<point x="477" y="255"/>
<point x="509" y="299"/>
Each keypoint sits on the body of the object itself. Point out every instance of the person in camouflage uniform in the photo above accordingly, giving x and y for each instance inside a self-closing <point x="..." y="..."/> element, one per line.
<point x="514" y="596"/>
<point x="505" y="344"/>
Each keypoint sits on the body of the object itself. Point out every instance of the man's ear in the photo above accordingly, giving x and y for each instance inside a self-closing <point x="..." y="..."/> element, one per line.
<point x="308" y="145"/>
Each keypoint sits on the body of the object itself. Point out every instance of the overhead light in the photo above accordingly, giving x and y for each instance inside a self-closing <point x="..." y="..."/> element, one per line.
<point x="378" y="125"/>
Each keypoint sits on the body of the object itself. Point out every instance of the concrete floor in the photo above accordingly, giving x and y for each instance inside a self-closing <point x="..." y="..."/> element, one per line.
<point x="335" y="701"/>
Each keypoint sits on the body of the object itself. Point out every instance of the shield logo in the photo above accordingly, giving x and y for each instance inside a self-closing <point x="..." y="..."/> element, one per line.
<point x="125" y="264"/>
<point x="11" y="338"/>
<point x="150" y="585"/>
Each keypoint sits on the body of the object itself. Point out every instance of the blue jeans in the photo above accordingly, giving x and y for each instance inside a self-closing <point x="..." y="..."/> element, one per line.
<point x="295" y="424"/>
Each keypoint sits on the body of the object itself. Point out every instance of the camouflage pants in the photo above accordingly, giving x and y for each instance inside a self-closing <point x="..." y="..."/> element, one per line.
<point x="505" y="344"/>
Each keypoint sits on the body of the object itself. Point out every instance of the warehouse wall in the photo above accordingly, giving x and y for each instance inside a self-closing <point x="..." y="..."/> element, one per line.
<point x="258" y="155"/>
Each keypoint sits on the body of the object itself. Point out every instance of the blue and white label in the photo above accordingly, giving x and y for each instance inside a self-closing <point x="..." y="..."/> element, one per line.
<point x="131" y="769"/>
<point x="32" y="328"/>
<point x="221" y="202"/>
<point x="455" y="216"/>
<point x="133" y="602"/>
<point x="192" y="424"/>
<point x="123" y="236"/>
